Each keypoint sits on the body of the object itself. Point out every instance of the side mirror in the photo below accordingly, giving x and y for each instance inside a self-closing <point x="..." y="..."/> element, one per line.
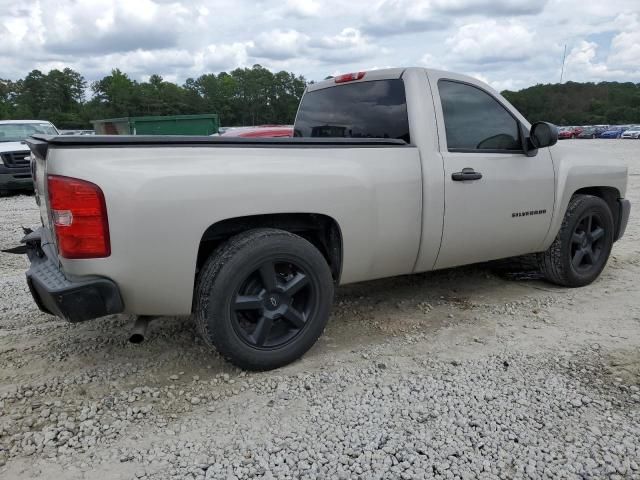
<point x="543" y="134"/>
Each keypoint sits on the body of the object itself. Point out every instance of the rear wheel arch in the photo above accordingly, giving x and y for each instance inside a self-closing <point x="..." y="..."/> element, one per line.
<point x="321" y="230"/>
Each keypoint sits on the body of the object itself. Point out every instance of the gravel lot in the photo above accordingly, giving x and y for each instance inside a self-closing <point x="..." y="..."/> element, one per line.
<point x="457" y="374"/>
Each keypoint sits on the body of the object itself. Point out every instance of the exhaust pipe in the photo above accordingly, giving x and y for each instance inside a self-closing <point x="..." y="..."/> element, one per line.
<point x="139" y="330"/>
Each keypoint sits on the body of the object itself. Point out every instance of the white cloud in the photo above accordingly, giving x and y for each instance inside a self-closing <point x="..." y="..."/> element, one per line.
<point x="586" y="60"/>
<point x="625" y="46"/>
<point x="491" y="7"/>
<point x="222" y="57"/>
<point x="498" y="85"/>
<point x="491" y="41"/>
<point x="302" y="8"/>
<point x="431" y="61"/>
<point x="348" y="45"/>
<point x="106" y="26"/>
<point x="20" y="30"/>
<point x="581" y="64"/>
<point x="511" y="43"/>
<point x="279" y="44"/>
<point x="393" y="17"/>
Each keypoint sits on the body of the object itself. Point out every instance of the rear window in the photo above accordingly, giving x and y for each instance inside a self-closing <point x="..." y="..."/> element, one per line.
<point x="376" y="109"/>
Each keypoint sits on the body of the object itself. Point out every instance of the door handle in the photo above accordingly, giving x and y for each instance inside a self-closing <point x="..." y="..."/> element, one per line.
<point x="466" y="174"/>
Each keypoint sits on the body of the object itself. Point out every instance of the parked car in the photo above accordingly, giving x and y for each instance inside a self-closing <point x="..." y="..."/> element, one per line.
<point x="569" y="132"/>
<point x="565" y="133"/>
<point x="612" y="133"/>
<point x="262" y="131"/>
<point x="274" y="225"/>
<point x="589" y="132"/>
<point x="632" y="132"/>
<point x="15" y="173"/>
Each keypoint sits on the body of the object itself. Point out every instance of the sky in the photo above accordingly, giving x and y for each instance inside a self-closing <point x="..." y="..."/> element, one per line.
<point x="510" y="44"/>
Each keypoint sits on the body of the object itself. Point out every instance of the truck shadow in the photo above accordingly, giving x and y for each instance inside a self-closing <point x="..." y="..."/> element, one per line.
<point x="364" y="315"/>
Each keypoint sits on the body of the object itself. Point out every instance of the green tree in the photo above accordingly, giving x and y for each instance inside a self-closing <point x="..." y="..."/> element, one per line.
<point x="115" y="93"/>
<point x="575" y="103"/>
<point x="8" y="92"/>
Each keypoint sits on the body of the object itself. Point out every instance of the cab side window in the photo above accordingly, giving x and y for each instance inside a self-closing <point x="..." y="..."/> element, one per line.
<point x="475" y="121"/>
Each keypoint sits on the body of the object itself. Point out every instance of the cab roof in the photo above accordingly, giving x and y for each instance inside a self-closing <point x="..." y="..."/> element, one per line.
<point x="390" y="74"/>
<point x="382" y="74"/>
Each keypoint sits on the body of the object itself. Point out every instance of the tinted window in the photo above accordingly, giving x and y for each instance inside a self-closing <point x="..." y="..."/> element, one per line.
<point x="376" y="109"/>
<point x="474" y="120"/>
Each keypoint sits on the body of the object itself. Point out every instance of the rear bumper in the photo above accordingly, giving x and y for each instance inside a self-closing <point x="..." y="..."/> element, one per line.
<point x="73" y="300"/>
<point x="624" y="211"/>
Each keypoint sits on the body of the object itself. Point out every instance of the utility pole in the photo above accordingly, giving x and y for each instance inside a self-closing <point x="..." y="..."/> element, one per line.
<point x="564" y="55"/>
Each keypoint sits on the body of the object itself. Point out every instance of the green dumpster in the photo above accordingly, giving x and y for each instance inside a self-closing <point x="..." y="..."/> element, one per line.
<point x="205" y="124"/>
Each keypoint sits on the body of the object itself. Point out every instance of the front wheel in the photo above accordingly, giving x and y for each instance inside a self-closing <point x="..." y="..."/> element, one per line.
<point x="581" y="249"/>
<point x="263" y="298"/>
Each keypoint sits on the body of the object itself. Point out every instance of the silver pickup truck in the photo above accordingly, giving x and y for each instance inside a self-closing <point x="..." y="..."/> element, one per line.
<point x="390" y="172"/>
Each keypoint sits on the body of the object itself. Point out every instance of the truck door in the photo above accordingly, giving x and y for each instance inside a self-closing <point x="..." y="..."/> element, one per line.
<point x="498" y="201"/>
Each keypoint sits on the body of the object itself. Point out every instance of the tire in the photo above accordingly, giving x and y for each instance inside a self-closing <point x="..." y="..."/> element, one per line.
<point x="263" y="298"/>
<point x="562" y="263"/>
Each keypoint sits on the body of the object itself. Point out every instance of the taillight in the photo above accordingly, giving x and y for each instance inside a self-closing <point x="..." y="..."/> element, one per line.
<point x="79" y="217"/>
<point x="349" y="77"/>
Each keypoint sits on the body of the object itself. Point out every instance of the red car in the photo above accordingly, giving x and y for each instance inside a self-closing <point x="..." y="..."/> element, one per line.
<point x="261" y="131"/>
<point x="569" y="132"/>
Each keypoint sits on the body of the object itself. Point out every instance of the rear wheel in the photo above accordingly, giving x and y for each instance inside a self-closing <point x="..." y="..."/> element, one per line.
<point x="581" y="250"/>
<point x="263" y="298"/>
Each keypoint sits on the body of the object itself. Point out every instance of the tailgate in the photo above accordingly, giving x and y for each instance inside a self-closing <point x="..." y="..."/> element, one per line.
<point x="39" y="173"/>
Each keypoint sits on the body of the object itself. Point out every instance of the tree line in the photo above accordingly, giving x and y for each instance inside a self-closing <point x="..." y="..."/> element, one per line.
<point x="244" y="96"/>
<point x="572" y="103"/>
<point x="254" y="96"/>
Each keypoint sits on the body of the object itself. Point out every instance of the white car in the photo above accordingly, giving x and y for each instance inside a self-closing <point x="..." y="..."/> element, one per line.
<point x="390" y="172"/>
<point x="632" y="132"/>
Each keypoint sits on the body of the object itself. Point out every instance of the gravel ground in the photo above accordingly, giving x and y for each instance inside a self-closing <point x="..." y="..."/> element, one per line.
<point x="455" y="374"/>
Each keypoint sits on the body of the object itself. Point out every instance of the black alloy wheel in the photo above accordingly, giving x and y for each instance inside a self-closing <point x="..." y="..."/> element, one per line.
<point x="587" y="243"/>
<point x="271" y="306"/>
<point x="263" y="298"/>
<point x="582" y="247"/>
